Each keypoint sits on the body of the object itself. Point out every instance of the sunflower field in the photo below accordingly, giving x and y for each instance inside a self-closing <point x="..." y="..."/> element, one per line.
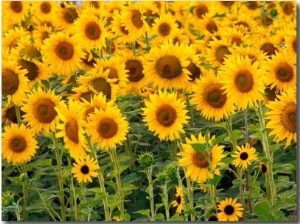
<point x="149" y="111"/>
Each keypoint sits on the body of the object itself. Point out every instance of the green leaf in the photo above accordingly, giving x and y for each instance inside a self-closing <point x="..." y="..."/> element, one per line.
<point x="262" y="207"/>
<point x="159" y="217"/>
<point x="145" y="212"/>
<point x="215" y="180"/>
<point x="218" y="139"/>
<point x="199" y="147"/>
<point x="130" y="178"/>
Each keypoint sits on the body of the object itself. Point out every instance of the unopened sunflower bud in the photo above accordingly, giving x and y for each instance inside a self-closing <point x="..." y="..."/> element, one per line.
<point x="162" y="177"/>
<point x="7" y="199"/>
<point x="171" y="170"/>
<point x="146" y="159"/>
<point x="23" y="177"/>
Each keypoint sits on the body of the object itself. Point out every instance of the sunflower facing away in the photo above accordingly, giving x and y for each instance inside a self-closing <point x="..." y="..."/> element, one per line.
<point x="230" y="210"/>
<point x="40" y="112"/>
<point x="244" y="156"/>
<point x="18" y="144"/>
<point x="243" y="81"/>
<point x="108" y="128"/>
<point x="62" y="53"/>
<point x="165" y="115"/>
<point x="201" y="165"/>
<point x="71" y="128"/>
<point x="179" y="201"/>
<point x="165" y="66"/>
<point x="282" y="117"/>
<point x="84" y="169"/>
<point x="210" y="98"/>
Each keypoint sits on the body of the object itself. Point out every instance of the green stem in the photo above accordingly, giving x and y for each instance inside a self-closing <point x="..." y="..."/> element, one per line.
<point x="120" y="193"/>
<point x="229" y="131"/>
<point x="151" y="196"/>
<point x="101" y="183"/>
<point x="44" y="203"/>
<point x="74" y="203"/>
<point x="240" y="173"/>
<point x="18" y="114"/>
<point x="270" y="186"/>
<point x="181" y="185"/>
<point x="190" y="196"/>
<point x="25" y="202"/>
<point x="58" y="155"/>
<point x="165" y="199"/>
<point x="189" y="108"/>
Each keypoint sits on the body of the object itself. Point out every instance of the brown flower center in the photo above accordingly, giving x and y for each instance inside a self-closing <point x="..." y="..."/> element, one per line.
<point x="92" y="31"/>
<point x="166" y="115"/>
<point x="10" y="82"/>
<point x="164" y="29"/>
<point x="227" y="3"/>
<point x="135" y="69"/>
<point x="31" y="52"/>
<point x="85" y="169"/>
<point x="89" y="111"/>
<point x="288" y="8"/>
<point x="150" y="17"/>
<point x="44" y="111"/>
<point x="10" y="114"/>
<point x="101" y="85"/>
<point x="221" y="52"/>
<point x="113" y="74"/>
<point x="123" y="30"/>
<point x="229" y="210"/>
<point x="211" y="26"/>
<point x="289" y="118"/>
<point x="45" y="7"/>
<point x="284" y="72"/>
<point x="200" y="11"/>
<point x="87" y="95"/>
<point x="70" y="15"/>
<point x="107" y="128"/>
<point x="236" y="40"/>
<point x="178" y="199"/>
<point x="244" y="81"/>
<point x="244" y="156"/>
<point x="269" y="48"/>
<point x="194" y="70"/>
<point x="32" y="69"/>
<point x="16" y="6"/>
<point x="136" y="19"/>
<point x="200" y="160"/>
<point x="17" y="144"/>
<point x="252" y="5"/>
<point x="168" y="67"/>
<point x="64" y="50"/>
<point x="294" y="45"/>
<point x="243" y="24"/>
<point x="215" y="96"/>
<point x="71" y="128"/>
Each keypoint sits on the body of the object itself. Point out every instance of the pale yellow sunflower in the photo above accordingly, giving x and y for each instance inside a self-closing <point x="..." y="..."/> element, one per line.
<point x="84" y="169"/>
<point x="108" y="129"/>
<point x="39" y="109"/>
<point x="282" y="117"/>
<point x="165" y="115"/>
<point x="62" y="53"/>
<point x="201" y="166"/>
<point x="230" y="210"/>
<point x="210" y="98"/>
<point x="18" y="144"/>
<point x="71" y="127"/>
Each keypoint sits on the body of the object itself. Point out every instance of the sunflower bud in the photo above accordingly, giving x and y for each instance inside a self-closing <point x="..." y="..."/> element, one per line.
<point x="273" y="12"/>
<point x="162" y="177"/>
<point x="7" y="199"/>
<point x="23" y="177"/>
<point x="171" y="170"/>
<point x="146" y="159"/>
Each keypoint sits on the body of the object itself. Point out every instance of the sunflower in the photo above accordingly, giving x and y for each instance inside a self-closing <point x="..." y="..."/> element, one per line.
<point x="89" y="60"/>
<point x="9" y="113"/>
<point x="230" y="210"/>
<point x="210" y="98"/>
<point x="71" y="127"/>
<point x="201" y="166"/>
<point x="97" y="80"/>
<point x="84" y="169"/>
<point x="26" y="49"/>
<point x="267" y="44"/>
<point x="243" y="81"/>
<point x="208" y="23"/>
<point x="62" y="53"/>
<point x="82" y="92"/>
<point x="165" y="27"/>
<point x="179" y="201"/>
<point x="44" y="9"/>
<point x="39" y="109"/>
<point x="244" y="156"/>
<point x="165" y="66"/>
<point x="40" y="33"/>
<point x="282" y="117"/>
<point x="18" y="144"/>
<point x="11" y="37"/>
<point x="199" y="9"/>
<point x="66" y="15"/>
<point x="134" y="68"/>
<point x="217" y="51"/>
<point x="89" y="30"/>
<point x="108" y="128"/>
<point x="14" y="12"/>
<point x="14" y="82"/>
<point x="281" y="70"/>
<point x="97" y="101"/>
<point x="235" y="36"/>
<point x="165" y="115"/>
